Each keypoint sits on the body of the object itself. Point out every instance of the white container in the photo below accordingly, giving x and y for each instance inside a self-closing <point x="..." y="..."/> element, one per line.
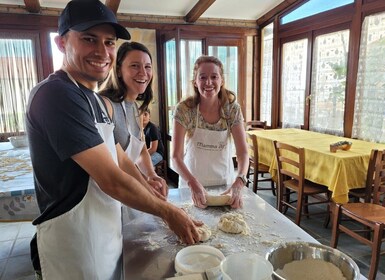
<point x="19" y="141"/>
<point x="199" y="259"/>
<point x="246" y="266"/>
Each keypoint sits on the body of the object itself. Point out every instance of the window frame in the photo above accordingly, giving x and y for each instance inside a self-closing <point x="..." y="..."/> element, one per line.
<point x="351" y="15"/>
<point x="310" y="35"/>
<point x="36" y="42"/>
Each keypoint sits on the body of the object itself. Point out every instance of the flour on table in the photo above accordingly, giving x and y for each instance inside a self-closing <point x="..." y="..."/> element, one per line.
<point x="233" y="223"/>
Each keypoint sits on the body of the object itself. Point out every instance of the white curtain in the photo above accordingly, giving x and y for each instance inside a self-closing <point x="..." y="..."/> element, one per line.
<point x="18" y="74"/>
<point x="369" y="111"/>
<point x="327" y="99"/>
<point x="267" y="36"/>
<point x="190" y="50"/>
<point x="293" y="83"/>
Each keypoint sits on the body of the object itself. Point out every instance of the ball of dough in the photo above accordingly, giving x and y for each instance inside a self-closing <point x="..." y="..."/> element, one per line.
<point x="232" y="223"/>
<point x="204" y="233"/>
<point x="218" y="200"/>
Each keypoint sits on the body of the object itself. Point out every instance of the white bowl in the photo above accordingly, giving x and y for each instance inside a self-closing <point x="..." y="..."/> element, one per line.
<point x="18" y="141"/>
<point x="246" y="266"/>
<point x="199" y="259"/>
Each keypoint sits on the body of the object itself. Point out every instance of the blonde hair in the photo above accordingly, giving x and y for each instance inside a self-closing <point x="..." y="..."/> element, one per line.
<point x="224" y="95"/>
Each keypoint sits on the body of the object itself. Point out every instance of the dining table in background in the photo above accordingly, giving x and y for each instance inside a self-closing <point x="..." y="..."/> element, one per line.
<point x="340" y="171"/>
<point x="17" y="191"/>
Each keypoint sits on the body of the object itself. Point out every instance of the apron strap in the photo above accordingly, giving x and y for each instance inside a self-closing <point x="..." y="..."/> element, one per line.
<point x="105" y="115"/>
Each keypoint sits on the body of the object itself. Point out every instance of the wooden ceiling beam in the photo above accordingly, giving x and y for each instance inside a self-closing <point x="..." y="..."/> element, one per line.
<point x="113" y="5"/>
<point x="199" y="8"/>
<point x="276" y="10"/>
<point x="32" y="6"/>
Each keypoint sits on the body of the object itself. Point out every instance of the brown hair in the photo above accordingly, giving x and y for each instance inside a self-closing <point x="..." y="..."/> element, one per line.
<point x="114" y="87"/>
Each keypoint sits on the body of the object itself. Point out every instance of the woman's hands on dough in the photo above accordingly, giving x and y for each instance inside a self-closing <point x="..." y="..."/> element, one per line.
<point x="159" y="185"/>
<point x="236" y="196"/>
<point x="198" y="193"/>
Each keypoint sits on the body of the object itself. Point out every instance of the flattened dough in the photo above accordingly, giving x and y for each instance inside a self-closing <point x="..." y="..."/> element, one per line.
<point x="233" y="223"/>
<point x="218" y="200"/>
<point x="204" y="233"/>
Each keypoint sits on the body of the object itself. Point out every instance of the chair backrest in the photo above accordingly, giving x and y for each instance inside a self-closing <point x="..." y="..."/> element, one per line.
<point x="252" y="125"/>
<point x="252" y="147"/>
<point x="379" y="178"/>
<point x="290" y="162"/>
<point x="370" y="176"/>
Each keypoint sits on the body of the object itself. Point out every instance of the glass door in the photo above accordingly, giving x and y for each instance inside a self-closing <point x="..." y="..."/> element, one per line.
<point x="179" y="53"/>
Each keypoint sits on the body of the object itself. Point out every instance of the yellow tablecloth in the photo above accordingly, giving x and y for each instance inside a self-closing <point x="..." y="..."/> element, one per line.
<point x="340" y="171"/>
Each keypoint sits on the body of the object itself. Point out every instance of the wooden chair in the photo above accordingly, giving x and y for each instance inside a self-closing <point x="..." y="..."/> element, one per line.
<point x="369" y="214"/>
<point x="161" y="169"/>
<point x="291" y="179"/>
<point x="365" y="193"/>
<point x="255" y="167"/>
<point x="253" y="125"/>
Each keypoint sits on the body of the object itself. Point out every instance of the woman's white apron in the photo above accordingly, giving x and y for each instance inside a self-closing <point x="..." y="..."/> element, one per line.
<point x="135" y="145"/>
<point x="85" y="242"/>
<point x="208" y="156"/>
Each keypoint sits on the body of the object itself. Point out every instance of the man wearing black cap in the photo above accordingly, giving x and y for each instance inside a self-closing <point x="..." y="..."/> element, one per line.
<point x="81" y="176"/>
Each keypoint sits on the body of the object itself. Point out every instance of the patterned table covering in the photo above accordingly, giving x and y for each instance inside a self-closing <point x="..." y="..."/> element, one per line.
<point x="17" y="193"/>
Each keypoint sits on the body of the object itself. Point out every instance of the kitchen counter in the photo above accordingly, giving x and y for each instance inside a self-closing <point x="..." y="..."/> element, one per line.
<point x="150" y="247"/>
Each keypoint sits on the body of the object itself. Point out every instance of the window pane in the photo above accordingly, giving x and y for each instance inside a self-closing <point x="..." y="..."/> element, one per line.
<point x="190" y="50"/>
<point x="57" y="55"/>
<point x="293" y="82"/>
<point x="369" y="120"/>
<point x="18" y="75"/>
<point x="266" y="72"/>
<point x="313" y="7"/>
<point x="328" y="82"/>
<point x="229" y="58"/>
<point x="171" y="85"/>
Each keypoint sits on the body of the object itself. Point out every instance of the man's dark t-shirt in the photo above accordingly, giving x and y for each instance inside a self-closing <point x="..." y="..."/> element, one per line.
<point x="60" y="123"/>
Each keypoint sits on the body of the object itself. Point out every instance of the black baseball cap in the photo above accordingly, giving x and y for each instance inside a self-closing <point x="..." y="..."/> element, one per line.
<point x="80" y="15"/>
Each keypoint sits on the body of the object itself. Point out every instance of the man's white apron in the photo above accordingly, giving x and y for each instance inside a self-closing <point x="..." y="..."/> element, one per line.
<point x="85" y="242"/>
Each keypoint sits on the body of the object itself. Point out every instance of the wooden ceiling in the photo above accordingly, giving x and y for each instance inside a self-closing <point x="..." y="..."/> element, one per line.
<point x="189" y="11"/>
<point x="33" y="6"/>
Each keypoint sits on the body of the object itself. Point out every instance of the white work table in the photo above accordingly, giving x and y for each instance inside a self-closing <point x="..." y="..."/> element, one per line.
<point x="149" y="247"/>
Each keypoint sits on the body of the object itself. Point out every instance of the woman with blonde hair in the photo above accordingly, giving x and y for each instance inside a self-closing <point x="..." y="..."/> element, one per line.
<point x="207" y="122"/>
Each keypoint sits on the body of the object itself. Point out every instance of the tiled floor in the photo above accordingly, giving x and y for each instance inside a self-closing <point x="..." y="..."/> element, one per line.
<point x="15" y="261"/>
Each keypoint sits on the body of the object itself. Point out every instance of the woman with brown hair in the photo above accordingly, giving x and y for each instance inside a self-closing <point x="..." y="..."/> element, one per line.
<point x="130" y="83"/>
